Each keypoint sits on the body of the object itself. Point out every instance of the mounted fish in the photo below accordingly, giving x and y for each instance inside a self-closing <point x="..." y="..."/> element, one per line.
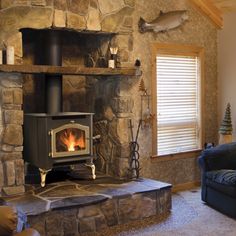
<point x="164" y="22"/>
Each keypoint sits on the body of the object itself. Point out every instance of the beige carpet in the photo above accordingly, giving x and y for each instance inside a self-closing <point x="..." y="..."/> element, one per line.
<point x="189" y="217"/>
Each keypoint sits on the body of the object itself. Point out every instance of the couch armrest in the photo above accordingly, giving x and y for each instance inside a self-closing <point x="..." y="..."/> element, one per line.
<point x="219" y="157"/>
<point x="202" y="163"/>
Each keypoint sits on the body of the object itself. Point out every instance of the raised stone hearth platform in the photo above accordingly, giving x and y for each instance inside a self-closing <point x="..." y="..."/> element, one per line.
<point x="80" y="207"/>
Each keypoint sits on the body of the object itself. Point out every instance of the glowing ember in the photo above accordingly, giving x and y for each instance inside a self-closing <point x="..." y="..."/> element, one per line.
<point x="71" y="141"/>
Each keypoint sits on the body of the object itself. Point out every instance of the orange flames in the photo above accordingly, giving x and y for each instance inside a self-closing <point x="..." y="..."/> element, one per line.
<point x="71" y="141"/>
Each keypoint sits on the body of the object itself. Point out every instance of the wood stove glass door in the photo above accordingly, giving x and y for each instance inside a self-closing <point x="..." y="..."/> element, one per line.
<point x="70" y="140"/>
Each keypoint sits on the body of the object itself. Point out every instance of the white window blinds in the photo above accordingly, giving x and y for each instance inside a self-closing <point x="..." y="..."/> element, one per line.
<point x="178" y="111"/>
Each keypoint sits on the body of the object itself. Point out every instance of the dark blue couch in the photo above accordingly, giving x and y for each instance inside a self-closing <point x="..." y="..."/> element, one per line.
<point x="218" y="171"/>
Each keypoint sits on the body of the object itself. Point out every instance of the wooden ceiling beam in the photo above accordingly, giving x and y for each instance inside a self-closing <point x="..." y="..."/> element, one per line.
<point x="208" y="8"/>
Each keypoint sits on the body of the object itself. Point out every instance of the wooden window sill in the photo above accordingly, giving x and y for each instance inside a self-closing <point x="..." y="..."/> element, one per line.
<point x="176" y="156"/>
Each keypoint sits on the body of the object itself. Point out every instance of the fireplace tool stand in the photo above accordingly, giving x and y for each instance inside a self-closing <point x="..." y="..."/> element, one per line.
<point x="134" y="152"/>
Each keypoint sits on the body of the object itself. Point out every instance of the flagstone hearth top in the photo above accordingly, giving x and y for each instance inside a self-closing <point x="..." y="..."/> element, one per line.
<point x="80" y="193"/>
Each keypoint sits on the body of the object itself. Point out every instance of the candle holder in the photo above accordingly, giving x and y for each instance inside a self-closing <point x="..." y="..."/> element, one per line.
<point x="112" y="61"/>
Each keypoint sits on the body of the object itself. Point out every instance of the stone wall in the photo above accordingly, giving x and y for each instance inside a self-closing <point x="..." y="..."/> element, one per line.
<point x="115" y="100"/>
<point x="11" y="137"/>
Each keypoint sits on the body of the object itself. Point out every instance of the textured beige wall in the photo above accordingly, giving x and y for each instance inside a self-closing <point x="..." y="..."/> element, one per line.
<point x="198" y="31"/>
<point x="227" y="68"/>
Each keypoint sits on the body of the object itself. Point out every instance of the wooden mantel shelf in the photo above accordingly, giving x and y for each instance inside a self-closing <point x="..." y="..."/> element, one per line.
<point x="67" y="70"/>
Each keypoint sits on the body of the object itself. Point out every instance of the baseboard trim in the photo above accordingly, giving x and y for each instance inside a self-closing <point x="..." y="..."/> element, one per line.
<point x="185" y="186"/>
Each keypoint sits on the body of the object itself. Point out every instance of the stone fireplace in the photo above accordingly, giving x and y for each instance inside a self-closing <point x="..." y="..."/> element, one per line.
<point x="89" y="29"/>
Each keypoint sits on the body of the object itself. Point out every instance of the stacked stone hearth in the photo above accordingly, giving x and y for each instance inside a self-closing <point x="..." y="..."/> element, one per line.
<point x="85" y="207"/>
<point x="111" y="96"/>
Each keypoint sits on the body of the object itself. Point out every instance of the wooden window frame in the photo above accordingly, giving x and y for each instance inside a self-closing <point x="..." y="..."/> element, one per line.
<point x="176" y="49"/>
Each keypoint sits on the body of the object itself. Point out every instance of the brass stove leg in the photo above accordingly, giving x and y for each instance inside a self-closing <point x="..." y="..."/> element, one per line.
<point x="43" y="174"/>
<point x="92" y="166"/>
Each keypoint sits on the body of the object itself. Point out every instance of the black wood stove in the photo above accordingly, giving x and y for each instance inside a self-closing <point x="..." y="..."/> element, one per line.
<point x="57" y="138"/>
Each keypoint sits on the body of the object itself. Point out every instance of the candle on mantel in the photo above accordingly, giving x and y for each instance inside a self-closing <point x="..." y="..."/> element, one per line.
<point x="10" y="55"/>
<point x="1" y="55"/>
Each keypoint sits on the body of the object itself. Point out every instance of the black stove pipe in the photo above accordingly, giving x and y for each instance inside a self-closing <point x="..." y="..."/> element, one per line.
<point x="53" y="56"/>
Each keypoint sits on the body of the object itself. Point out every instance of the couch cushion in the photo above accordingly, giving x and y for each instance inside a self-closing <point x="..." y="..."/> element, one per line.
<point x="222" y="180"/>
<point x="227" y="177"/>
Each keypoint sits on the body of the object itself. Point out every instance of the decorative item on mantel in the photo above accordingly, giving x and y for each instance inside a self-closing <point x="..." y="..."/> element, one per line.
<point x="7" y="55"/>
<point x="1" y="57"/>
<point x="101" y="61"/>
<point x="164" y="22"/>
<point x="226" y="128"/>
<point x="112" y="61"/>
<point x="137" y="65"/>
<point x="10" y="55"/>
<point x="89" y="61"/>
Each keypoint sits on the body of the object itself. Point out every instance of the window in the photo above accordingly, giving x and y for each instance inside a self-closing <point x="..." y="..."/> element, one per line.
<point x="177" y="98"/>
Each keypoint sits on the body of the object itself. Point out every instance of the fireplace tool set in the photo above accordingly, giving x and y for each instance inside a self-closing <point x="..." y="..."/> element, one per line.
<point x="134" y="152"/>
<point x="144" y="122"/>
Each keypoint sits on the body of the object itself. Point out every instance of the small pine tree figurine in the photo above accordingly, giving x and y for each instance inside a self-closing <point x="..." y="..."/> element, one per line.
<point x="142" y="87"/>
<point x="226" y="128"/>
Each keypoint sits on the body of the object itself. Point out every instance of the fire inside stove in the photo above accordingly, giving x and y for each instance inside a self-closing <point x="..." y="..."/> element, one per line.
<point x="70" y="140"/>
